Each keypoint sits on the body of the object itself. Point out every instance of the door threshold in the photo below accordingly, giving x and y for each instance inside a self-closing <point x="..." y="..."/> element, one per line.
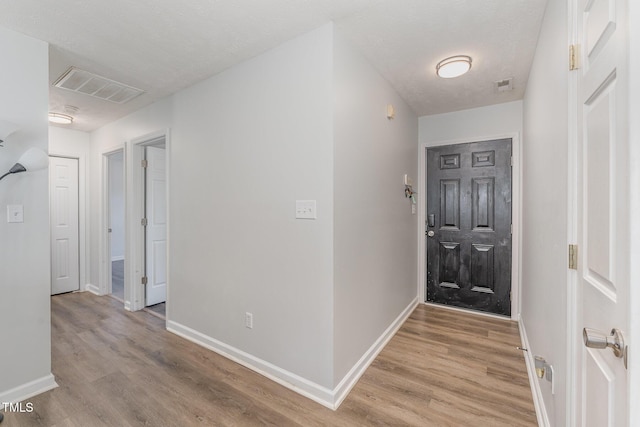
<point x="116" y="298"/>
<point x="153" y="313"/>
<point x="468" y="311"/>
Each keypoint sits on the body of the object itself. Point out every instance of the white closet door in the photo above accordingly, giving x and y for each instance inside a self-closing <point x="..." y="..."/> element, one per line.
<point x="65" y="266"/>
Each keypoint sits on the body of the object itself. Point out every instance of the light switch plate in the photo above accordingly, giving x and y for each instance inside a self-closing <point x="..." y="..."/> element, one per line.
<point x="15" y="213"/>
<point x="305" y="209"/>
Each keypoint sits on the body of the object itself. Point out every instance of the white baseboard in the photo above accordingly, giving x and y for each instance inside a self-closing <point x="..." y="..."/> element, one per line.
<point x="536" y="391"/>
<point x="313" y="391"/>
<point x="117" y="258"/>
<point x="316" y="392"/>
<point x="30" y="389"/>
<point x="349" y="381"/>
<point x="92" y="288"/>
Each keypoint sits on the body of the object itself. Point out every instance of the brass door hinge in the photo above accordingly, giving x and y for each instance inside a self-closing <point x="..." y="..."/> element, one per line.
<point x="573" y="257"/>
<point x="144" y="280"/>
<point x="573" y="57"/>
<point x="144" y="163"/>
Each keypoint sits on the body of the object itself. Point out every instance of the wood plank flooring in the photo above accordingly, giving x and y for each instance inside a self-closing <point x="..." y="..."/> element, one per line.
<point x="117" y="368"/>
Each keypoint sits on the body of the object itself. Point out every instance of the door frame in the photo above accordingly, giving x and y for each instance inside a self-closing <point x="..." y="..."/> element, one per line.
<point x="516" y="215"/>
<point x="83" y="207"/>
<point x="134" y="212"/>
<point x="634" y="205"/>
<point x="104" y="267"/>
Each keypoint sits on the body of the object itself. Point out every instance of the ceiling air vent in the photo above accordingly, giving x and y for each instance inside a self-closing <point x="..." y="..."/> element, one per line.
<point x="81" y="81"/>
<point x="504" y="85"/>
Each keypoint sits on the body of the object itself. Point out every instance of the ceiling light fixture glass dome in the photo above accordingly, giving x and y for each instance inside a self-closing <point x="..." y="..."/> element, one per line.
<point x="62" y="119"/>
<point x="453" y="66"/>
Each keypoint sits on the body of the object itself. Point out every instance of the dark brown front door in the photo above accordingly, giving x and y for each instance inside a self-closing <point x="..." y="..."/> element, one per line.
<point x="469" y="225"/>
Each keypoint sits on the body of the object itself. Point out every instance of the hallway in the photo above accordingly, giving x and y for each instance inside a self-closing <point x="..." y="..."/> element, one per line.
<point x="121" y="368"/>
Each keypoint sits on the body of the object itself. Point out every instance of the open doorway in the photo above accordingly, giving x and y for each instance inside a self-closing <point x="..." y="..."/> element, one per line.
<point x="135" y="218"/>
<point x="146" y="223"/>
<point x="116" y="191"/>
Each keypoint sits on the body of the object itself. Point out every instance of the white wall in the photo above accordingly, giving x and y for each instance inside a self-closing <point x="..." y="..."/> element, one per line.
<point x="499" y="119"/>
<point x="25" y="287"/>
<point x="116" y="204"/>
<point x="245" y="145"/>
<point x="545" y="190"/>
<point x="375" y="236"/>
<point x="77" y="144"/>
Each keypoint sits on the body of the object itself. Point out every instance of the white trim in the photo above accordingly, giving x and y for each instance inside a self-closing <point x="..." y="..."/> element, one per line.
<point x="467" y="311"/>
<point x="316" y="392"/>
<point x="516" y="214"/>
<point x="634" y="206"/>
<point x="351" y="378"/>
<point x="92" y="288"/>
<point x="117" y="258"/>
<point x="30" y="389"/>
<point x="83" y="213"/>
<point x="574" y="340"/>
<point x="300" y="385"/>
<point x="536" y="391"/>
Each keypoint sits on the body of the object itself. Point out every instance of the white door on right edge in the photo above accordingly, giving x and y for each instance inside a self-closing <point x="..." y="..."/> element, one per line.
<point x="603" y="210"/>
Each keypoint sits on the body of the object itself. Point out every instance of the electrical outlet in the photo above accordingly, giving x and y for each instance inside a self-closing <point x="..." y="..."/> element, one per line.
<point x="248" y="320"/>
<point x="305" y="209"/>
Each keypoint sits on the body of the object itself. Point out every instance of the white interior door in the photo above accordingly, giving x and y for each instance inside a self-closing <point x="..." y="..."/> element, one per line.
<point x="603" y="210"/>
<point x="156" y="230"/>
<point x="65" y="266"/>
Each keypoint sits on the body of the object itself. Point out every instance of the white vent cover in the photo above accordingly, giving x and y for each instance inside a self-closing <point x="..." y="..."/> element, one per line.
<point x="81" y="81"/>
<point x="504" y="85"/>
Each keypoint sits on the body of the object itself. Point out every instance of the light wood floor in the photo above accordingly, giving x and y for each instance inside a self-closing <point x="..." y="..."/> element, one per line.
<point x="117" y="368"/>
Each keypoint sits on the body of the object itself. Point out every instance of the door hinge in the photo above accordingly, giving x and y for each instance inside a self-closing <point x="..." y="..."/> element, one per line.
<point x="144" y="163"/>
<point x="573" y="57"/>
<point x="144" y="222"/>
<point x="144" y="280"/>
<point x="573" y="257"/>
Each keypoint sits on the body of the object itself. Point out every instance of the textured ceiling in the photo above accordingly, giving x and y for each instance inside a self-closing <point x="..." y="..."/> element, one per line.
<point x="162" y="46"/>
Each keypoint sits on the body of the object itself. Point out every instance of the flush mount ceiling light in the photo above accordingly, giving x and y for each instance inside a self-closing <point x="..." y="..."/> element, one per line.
<point x="453" y="66"/>
<point x="61" y="119"/>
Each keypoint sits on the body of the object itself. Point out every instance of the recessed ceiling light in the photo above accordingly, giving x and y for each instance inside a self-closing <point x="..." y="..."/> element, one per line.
<point x="61" y="119"/>
<point x="453" y="66"/>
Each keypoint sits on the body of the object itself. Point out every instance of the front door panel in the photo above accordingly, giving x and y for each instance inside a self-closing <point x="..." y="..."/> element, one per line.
<point x="469" y="242"/>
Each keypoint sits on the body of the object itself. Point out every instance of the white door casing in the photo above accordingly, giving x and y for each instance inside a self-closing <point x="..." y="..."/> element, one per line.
<point x="603" y="213"/>
<point x="65" y="266"/>
<point x="156" y="229"/>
